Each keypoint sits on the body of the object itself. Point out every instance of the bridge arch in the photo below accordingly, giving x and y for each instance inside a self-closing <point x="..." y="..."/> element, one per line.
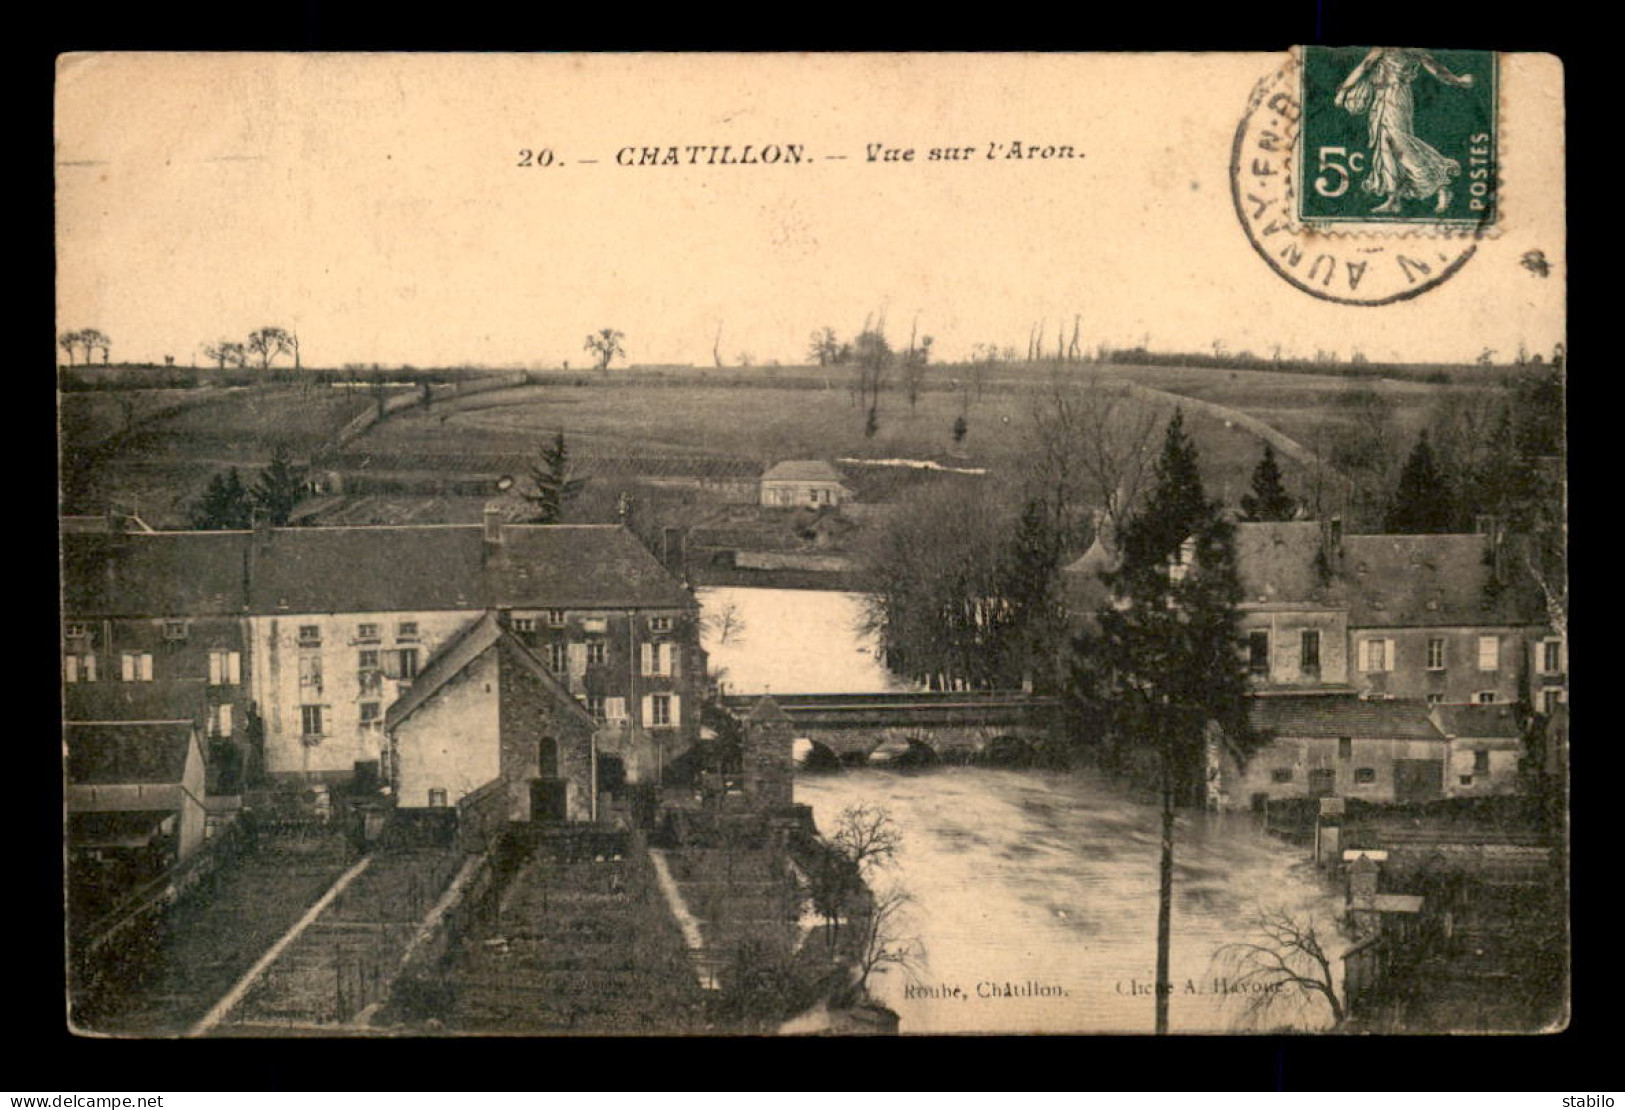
<point x="814" y="755"/>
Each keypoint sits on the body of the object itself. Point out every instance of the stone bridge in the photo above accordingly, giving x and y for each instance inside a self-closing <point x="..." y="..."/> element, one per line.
<point x="914" y="728"/>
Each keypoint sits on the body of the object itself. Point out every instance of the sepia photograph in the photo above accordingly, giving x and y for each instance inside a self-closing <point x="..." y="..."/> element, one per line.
<point x="630" y="545"/>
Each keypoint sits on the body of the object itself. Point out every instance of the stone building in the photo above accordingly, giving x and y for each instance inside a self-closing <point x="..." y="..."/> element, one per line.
<point x="798" y="483"/>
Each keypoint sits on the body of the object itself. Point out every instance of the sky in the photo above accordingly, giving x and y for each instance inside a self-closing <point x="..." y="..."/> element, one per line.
<point x="375" y="205"/>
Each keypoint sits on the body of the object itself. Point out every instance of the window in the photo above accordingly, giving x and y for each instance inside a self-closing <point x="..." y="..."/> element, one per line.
<point x="437" y="798"/>
<point x="1376" y="655"/>
<point x="1486" y="697"/>
<point x="595" y="625"/>
<point x="595" y="705"/>
<point x="659" y="710"/>
<point x="1466" y="780"/>
<point x="366" y="633"/>
<point x="1481" y="763"/>
<point x="555" y="618"/>
<point x="370" y="715"/>
<point x="76" y="631"/>
<point x="1435" y="699"/>
<point x="408" y="665"/>
<point x="1365" y="776"/>
<point x="221" y="721"/>
<point x="225" y="668"/>
<point x="174" y="630"/>
<point x="558" y="658"/>
<point x="1281" y="774"/>
<point x="1489" y="653"/>
<point x="659" y="624"/>
<point x="659" y="659"/>
<point x="310" y="720"/>
<point x="1345" y="747"/>
<point x="1550" y="698"/>
<point x="1551" y="657"/>
<point x="1258" y="653"/>
<point x="1309" y="653"/>
<point x="596" y="652"/>
<point x="1435" y="653"/>
<point x="136" y="666"/>
<point x="310" y="635"/>
<point x="614" y="709"/>
<point x="310" y="672"/>
<point x="406" y="631"/>
<point x="367" y="660"/>
<point x="524" y="624"/>
<point x="80" y="668"/>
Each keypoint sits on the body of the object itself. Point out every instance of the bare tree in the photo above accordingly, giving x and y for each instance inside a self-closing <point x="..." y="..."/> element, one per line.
<point x="1286" y="970"/>
<point x="882" y="940"/>
<point x="1090" y="440"/>
<point x="726" y="624"/>
<point x="823" y="347"/>
<point x="69" y="342"/>
<point x="716" y="347"/>
<point x="867" y="836"/>
<point x="605" y="344"/>
<point x="90" y="339"/>
<point x="268" y="343"/>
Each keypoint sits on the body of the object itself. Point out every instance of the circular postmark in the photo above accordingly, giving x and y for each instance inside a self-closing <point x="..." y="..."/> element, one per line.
<point x="1369" y="266"/>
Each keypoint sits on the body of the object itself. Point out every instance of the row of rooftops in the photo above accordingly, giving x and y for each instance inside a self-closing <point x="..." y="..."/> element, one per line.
<point x="1381" y="580"/>
<point x="1312" y="717"/>
<point x="407" y="568"/>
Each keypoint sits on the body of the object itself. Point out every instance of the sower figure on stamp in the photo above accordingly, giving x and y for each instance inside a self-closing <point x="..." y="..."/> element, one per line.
<point x="1403" y="167"/>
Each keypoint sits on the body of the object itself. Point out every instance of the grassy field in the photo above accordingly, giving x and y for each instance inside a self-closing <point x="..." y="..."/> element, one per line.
<point x="160" y="446"/>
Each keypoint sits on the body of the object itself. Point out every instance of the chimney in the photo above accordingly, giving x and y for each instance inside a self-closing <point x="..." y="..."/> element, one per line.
<point x="1331" y="545"/>
<point x="673" y="552"/>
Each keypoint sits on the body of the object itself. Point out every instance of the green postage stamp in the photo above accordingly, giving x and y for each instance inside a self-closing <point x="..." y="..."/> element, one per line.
<point x="1398" y="136"/>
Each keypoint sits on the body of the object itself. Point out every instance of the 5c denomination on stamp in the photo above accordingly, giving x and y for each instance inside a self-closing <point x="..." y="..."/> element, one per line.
<point x="1393" y="216"/>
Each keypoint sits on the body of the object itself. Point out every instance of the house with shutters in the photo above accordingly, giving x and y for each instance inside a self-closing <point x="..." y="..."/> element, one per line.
<point x="328" y="627"/>
<point x="149" y="616"/>
<point x="1444" y="620"/>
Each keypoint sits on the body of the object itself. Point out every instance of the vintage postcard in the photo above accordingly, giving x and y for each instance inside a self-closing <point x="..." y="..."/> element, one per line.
<point x="627" y="544"/>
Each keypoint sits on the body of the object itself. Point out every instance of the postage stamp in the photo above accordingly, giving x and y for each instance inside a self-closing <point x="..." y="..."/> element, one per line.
<point x="1337" y="181"/>
<point x="1401" y="136"/>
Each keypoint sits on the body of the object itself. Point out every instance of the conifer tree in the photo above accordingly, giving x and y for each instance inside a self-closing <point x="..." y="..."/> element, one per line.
<point x="225" y="504"/>
<point x="1421" y="501"/>
<point x="280" y="487"/>
<point x="1165" y="664"/>
<point x="553" y="486"/>
<point x="1269" y="499"/>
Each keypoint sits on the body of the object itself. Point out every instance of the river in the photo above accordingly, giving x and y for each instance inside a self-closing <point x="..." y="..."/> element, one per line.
<point x="1045" y="881"/>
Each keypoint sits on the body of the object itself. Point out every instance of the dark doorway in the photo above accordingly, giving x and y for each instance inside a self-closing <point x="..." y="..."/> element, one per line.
<point x="1418" y="780"/>
<point x="611" y="774"/>
<point x="547" y="757"/>
<point x="549" y="800"/>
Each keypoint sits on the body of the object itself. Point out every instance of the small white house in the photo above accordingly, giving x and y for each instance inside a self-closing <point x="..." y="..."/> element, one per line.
<point x="810" y="483"/>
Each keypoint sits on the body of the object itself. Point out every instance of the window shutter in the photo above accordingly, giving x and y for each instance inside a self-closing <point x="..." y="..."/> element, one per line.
<point x="225" y="720"/>
<point x="648" y="659"/>
<point x="73" y="668"/>
<point x="216" y="675"/>
<point x="146" y="667"/>
<point x="392" y="664"/>
<point x="234" y="667"/>
<point x="578" y="660"/>
<point x="615" y="709"/>
<point x="648" y="710"/>
<point x="671" y="659"/>
<point x="90" y="668"/>
<point x="676" y="710"/>
<point x="1388" y="655"/>
<point x="127" y="667"/>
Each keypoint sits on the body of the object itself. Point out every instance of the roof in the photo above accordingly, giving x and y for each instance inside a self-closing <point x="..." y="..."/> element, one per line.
<point x="766" y="711"/>
<point x="1309" y="716"/>
<point x="458" y="653"/>
<point x="135" y="701"/>
<point x="107" y="753"/>
<point x="412" y="568"/>
<point x="1277" y="562"/>
<point x="115" y="828"/>
<point x="802" y="470"/>
<point x="1427" y="581"/>
<point x="1484" y="721"/>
